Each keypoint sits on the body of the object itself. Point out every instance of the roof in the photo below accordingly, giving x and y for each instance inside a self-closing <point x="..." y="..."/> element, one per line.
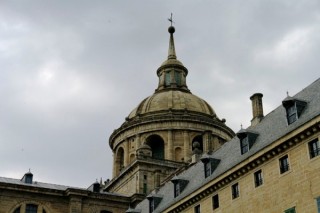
<point x="271" y="128"/>
<point x="49" y="186"/>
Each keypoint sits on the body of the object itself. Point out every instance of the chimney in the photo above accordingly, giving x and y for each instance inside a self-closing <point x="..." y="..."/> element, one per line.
<point x="257" y="108"/>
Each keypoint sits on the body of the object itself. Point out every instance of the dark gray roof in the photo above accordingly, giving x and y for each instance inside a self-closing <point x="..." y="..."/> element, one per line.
<point x="48" y="186"/>
<point x="272" y="127"/>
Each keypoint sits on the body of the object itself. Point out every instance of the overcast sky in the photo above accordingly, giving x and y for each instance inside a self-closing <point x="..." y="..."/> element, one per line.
<point x="71" y="71"/>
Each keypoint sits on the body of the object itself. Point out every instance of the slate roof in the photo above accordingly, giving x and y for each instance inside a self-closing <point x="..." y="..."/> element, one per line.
<point x="271" y="128"/>
<point x="49" y="186"/>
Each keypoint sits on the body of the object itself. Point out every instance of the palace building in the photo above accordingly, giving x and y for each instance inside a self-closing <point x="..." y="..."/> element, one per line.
<point x="174" y="154"/>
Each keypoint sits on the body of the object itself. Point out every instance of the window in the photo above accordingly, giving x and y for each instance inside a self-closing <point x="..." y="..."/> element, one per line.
<point x="244" y="145"/>
<point x="210" y="164"/>
<point x="235" y="190"/>
<point x="294" y="108"/>
<point x="151" y="206"/>
<point x="153" y="202"/>
<point x="284" y="164"/>
<point x="167" y="79"/>
<point x="314" y="148"/>
<point x="258" y="178"/>
<point x="291" y="210"/>
<point x="197" y="209"/>
<point x="247" y="139"/>
<point x="179" y="185"/>
<point x="176" y="189"/>
<point x="318" y="204"/>
<point x="177" y="76"/>
<point x="17" y="210"/>
<point x="215" y="201"/>
<point x="144" y="188"/>
<point x="207" y="169"/>
<point x="31" y="208"/>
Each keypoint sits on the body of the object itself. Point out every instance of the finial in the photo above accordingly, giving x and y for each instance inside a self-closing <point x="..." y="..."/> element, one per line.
<point x="287" y="93"/>
<point x="170" y="19"/>
<point x="171" y="29"/>
<point x="241" y="126"/>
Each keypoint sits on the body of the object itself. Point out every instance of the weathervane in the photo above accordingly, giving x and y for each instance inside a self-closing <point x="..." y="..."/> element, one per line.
<point x="170" y="19"/>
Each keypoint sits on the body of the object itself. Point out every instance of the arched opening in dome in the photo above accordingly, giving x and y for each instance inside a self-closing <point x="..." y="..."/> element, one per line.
<point x="119" y="160"/>
<point x="156" y="144"/>
<point x="197" y="143"/>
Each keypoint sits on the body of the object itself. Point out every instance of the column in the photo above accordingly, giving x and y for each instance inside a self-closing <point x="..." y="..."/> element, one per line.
<point x="170" y="145"/>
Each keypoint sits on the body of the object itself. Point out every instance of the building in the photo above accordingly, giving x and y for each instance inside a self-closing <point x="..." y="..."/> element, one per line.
<point x="174" y="154"/>
<point x="271" y="166"/>
<point x="161" y="134"/>
<point x="29" y="196"/>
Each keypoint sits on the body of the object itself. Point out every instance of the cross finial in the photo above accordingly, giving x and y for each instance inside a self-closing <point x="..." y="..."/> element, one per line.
<point x="170" y="19"/>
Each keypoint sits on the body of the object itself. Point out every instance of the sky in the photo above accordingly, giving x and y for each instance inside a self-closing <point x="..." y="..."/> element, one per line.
<point x="71" y="71"/>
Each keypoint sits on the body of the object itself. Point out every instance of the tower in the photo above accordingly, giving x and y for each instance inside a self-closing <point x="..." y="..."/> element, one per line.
<point x="159" y="135"/>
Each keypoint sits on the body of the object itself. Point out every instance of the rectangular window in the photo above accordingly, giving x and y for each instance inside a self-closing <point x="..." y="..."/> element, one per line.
<point x="244" y="145"/>
<point x="318" y="204"/>
<point x="258" y="178"/>
<point x="314" y="148"/>
<point x="292" y="114"/>
<point x="151" y="205"/>
<point x="144" y="188"/>
<point x="168" y="79"/>
<point x="215" y="201"/>
<point x="31" y="208"/>
<point x="284" y="164"/>
<point x="235" y="190"/>
<point x="207" y="169"/>
<point x="197" y="209"/>
<point x="291" y="210"/>
<point x="176" y="189"/>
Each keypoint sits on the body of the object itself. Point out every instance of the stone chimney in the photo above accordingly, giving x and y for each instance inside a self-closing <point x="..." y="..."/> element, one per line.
<point x="257" y="108"/>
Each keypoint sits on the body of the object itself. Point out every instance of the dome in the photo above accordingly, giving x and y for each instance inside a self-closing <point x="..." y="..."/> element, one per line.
<point x="172" y="100"/>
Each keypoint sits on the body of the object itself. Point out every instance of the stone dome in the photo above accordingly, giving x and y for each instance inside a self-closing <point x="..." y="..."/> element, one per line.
<point x="172" y="100"/>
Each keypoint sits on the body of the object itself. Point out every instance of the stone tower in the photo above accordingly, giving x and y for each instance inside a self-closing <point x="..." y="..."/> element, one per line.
<point x="158" y="136"/>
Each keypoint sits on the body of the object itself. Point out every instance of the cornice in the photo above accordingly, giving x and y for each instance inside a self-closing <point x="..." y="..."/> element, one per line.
<point x="176" y="116"/>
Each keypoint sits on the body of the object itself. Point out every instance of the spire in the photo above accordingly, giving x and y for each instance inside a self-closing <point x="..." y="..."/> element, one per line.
<point x="172" y="74"/>
<point x="172" y="51"/>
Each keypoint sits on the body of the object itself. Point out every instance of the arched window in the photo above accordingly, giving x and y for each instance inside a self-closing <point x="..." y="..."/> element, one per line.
<point x="156" y="144"/>
<point x="119" y="160"/>
<point x="197" y="139"/>
<point x="30" y="208"/>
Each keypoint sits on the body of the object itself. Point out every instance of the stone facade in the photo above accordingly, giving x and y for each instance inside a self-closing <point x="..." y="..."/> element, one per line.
<point x="16" y="196"/>
<point x="272" y="166"/>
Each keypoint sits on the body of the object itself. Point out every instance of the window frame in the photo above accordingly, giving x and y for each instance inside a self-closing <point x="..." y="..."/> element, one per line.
<point x="284" y="164"/>
<point x="258" y="178"/>
<point x="244" y="145"/>
<point x="235" y="192"/>
<point x="314" y="151"/>
<point x="197" y="209"/>
<point x="215" y="201"/>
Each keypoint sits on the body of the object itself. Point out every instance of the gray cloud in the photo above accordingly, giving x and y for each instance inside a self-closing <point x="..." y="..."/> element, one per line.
<point x="70" y="72"/>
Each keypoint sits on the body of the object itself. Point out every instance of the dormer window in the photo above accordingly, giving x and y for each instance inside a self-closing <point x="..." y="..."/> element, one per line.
<point x="294" y="108"/>
<point x="179" y="185"/>
<point x="154" y="201"/>
<point x="247" y="139"/>
<point x="27" y="178"/>
<point x="210" y="164"/>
